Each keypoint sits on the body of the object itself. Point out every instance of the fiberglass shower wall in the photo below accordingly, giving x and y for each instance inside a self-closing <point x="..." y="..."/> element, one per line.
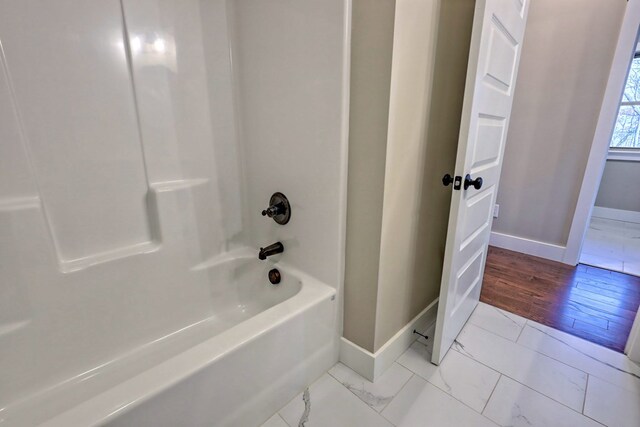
<point x="140" y="139"/>
<point x="116" y="160"/>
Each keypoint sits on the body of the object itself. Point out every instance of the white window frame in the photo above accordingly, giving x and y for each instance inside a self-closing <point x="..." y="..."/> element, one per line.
<point x="625" y="154"/>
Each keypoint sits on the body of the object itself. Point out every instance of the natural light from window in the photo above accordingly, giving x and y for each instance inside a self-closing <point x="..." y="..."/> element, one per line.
<point x="626" y="132"/>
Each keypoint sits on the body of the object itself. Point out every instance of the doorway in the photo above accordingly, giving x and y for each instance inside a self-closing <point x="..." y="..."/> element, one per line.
<point x="612" y="240"/>
<point x="593" y="303"/>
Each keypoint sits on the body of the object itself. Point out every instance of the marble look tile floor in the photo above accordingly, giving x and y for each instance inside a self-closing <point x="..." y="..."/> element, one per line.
<point x="503" y="370"/>
<point x="614" y="245"/>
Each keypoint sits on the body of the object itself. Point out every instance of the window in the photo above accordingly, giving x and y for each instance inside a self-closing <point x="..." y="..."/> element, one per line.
<point x="626" y="134"/>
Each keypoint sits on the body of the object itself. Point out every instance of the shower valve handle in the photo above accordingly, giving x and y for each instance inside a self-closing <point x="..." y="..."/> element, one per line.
<point x="279" y="209"/>
<point x="273" y="210"/>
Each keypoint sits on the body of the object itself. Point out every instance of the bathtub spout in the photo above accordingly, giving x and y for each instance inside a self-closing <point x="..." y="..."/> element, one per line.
<point x="273" y="249"/>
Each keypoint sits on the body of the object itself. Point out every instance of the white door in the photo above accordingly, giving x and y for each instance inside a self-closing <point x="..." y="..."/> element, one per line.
<point x="496" y="42"/>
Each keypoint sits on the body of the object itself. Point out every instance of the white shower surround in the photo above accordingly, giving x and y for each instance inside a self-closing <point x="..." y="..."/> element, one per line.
<point x="132" y="176"/>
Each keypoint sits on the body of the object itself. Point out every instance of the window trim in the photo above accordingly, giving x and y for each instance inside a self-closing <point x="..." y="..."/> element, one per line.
<point x="625" y="154"/>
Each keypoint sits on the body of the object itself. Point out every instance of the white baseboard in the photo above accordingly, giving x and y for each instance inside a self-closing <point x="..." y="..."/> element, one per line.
<point x="357" y="358"/>
<point x="528" y="246"/>
<point x="616" y="214"/>
<point x="373" y="365"/>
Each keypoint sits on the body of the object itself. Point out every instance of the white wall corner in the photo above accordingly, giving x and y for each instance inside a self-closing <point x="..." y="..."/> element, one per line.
<point x="528" y="246"/>
<point x="357" y="358"/>
<point x="373" y="365"/>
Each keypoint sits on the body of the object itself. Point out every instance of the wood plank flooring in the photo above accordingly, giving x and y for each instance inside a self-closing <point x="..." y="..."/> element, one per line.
<point x="592" y="303"/>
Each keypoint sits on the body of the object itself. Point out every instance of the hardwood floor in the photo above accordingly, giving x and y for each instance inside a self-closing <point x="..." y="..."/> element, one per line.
<point x="592" y="303"/>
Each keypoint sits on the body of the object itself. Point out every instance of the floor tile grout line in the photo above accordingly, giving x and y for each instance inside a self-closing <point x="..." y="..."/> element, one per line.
<point x="505" y="313"/>
<point x="287" y="404"/>
<point x="456" y="399"/>
<point x="504" y="310"/>
<point x="533" y="349"/>
<point x="532" y="389"/>
<point x="443" y="391"/>
<point x="586" y="388"/>
<point x="548" y="397"/>
<point x="491" y="332"/>
<point x="585" y="402"/>
<point x="521" y="330"/>
<point x="406" y="367"/>
<point x="366" y="405"/>
<point x="394" y="397"/>
<point x="527" y="321"/>
<point x="595" y="344"/>
<point x="519" y="382"/>
<point x="352" y="392"/>
<point x="400" y="389"/>
<point x="565" y="363"/>
<point x="283" y="420"/>
<point x="343" y="385"/>
<point x="491" y="395"/>
<point x="451" y="395"/>
<point x="606" y="364"/>
<point x="594" y="420"/>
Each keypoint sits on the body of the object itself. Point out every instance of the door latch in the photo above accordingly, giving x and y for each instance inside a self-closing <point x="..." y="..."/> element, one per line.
<point x="456" y="181"/>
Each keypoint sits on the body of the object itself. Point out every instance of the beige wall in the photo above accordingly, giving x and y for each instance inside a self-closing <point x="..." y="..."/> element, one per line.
<point x="620" y="186"/>
<point x="566" y="57"/>
<point x="397" y="208"/>
<point x="431" y="49"/>
<point x="371" y="48"/>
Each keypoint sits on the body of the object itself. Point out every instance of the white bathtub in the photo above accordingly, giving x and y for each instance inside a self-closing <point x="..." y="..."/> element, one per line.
<point x="264" y="345"/>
